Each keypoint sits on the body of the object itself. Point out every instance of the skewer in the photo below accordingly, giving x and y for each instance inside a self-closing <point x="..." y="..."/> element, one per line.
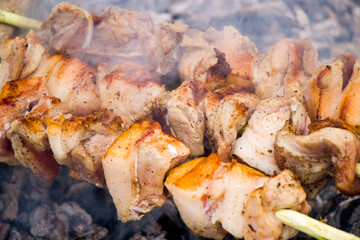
<point x="18" y="20"/>
<point x="312" y="227"/>
<point x="357" y="172"/>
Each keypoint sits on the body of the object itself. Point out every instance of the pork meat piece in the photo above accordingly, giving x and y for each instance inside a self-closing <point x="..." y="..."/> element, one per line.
<point x="135" y="166"/>
<point x="214" y="198"/>
<point x="184" y="113"/>
<point x="16" y="98"/>
<point x="350" y="100"/>
<point x="316" y="157"/>
<point x="68" y="29"/>
<point x="74" y="83"/>
<point x="129" y="90"/>
<point x="80" y="142"/>
<point x="285" y="69"/>
<point x="227" y="111"/>
<point x="256" y="145"/>
<point x="199" y="54"/>
<point x="29" y="139"/>
<point x="129" y="35"/>
<point x="283" y="191"/>
<point x="20" y="57"/>
<point x="325" y="89"/>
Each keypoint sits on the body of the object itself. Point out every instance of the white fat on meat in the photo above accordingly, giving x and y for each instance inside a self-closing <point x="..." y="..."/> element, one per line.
<point x="135" y="166"/>
<point x="29" y="139"/>
<point x="331" y="150"/>
<point x="214" y="198"/>
<point x="240" y="53"/>
<point x="256" y="145"/>
<point x="285" y="69"/>
<point x="129" y="90"/>
<point x="80" y="142"/>
<point x="227" y="111"/>
<point x="183" y="111"/>
<point x="17" y="97"/>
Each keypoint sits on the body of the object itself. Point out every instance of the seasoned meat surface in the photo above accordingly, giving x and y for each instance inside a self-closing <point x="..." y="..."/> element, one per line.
<point x="227" y="111"/>
<point x="184" y="113"/>
<point x="129" y="35"/>
<point x="256" y="145"/>
<point x="16" y="98"/>
<point x="214" y="197"/>
<point x="129" y="90"/>
<point x="20" y="57"/>
<point x="283" y="191"/>
<point x="135" y="166"/>
<point x="29" y="139"/>
<point x="80" y="142"/>
<point x="200" y="53"/>
<point x="317" y="157"/>
<point x="285" y="69"/>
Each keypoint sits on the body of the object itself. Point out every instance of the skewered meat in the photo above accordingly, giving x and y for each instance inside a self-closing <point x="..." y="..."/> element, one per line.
<point x="349" y="105"/>
<point x="74" y="83"/>
<point x="135" y="166"/>
<point x="214" y="197"/>
<point x="285" y="69"/>
<point x="326" y="87"/>
<point x="29" y="139"/>
<point x="16" y="98"/>
<point x="184" y="114"/>
<point x="68" y="28"/>
<point x="256" y="145"/>
<point x="317" y="157"/>
<point x="129" y="90"/>
<point x="130" y="35"/>
<point x="200" y="54"/>
<point x="20" y="57"/>
<point x="227" y="111"/>
<point x="80" y="142"/>
<point x="69" y="79"/>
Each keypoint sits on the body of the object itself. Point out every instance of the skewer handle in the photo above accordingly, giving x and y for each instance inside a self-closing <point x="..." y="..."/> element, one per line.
<point x="312" y="227"/>
<point x="18" y="20"/>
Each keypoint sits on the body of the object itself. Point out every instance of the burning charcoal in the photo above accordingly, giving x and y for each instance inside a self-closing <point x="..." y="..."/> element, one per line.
<point x="42" y="221"/>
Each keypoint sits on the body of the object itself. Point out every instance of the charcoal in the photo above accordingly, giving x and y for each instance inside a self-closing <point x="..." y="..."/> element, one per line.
<point x="42" y="221"/>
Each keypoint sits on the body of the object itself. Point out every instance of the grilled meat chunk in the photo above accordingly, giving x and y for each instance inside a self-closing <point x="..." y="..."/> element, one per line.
<point x="214" y="197"/>
<point x="285" y="69"/>
<point x="256" y="145"/>
<point x="129" y="90"/>
<point x="74" y="83"/>
<point x="69" y="79"/>
<point x="227" y="111"/>
<point x="16" y="98"/>
<point x="283" y="191"/>
<point x="68" y="29"/>
<point x="325" y="89"/>
<point x="20" y="57"/>
<point x="29" y="139"/>
<point x="350" y="101"/>
<point x="317" y="157"/>
<point x="129" y="35"/>
<point x="135" y="166"/>
<point x="80" y="142"/>
<point x="183" y="111"/>
<point x="240" y="53"/>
